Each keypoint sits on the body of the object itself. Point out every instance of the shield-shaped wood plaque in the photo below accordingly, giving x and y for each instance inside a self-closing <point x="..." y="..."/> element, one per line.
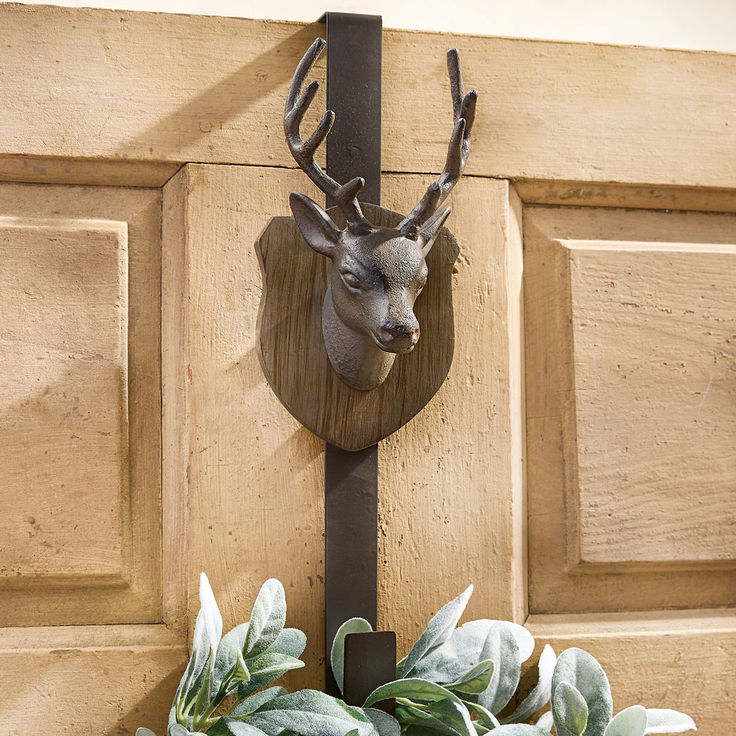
<point x="292" y="352"/>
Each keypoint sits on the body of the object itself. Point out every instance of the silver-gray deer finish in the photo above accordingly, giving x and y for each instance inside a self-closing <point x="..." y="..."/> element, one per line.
<point x="377" y="273"/>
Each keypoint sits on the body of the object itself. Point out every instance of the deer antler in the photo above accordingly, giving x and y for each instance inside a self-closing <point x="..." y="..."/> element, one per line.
<point x="463" y="108"/>
<point x="345" y="195"/>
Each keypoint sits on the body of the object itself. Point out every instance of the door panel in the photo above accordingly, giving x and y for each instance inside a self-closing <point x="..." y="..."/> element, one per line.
<point x="630" y="339"/>
<point x="256" y="478"/>
<point x="87" y="634"/>
<point x="80" y="537"/>
<point x="630" y="406"/>
<point x="181" y="460"/>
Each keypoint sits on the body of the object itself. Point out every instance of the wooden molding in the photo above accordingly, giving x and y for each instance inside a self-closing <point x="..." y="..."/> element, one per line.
<point x="546" y="110"/>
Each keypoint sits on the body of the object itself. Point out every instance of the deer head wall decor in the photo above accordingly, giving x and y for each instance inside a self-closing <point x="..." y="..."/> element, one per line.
<point x="377" y="272"/>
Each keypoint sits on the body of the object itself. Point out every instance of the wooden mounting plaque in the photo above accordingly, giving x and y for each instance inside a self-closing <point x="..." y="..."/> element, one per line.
<point x="293" y="356"/>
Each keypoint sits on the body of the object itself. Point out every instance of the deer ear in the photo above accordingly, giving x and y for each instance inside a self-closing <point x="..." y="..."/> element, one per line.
<point x="315" y="224"/>
<point x="430" y="230"/>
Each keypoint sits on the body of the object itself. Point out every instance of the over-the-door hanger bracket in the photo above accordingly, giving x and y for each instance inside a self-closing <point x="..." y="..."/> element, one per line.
<point x="354" y="344"/>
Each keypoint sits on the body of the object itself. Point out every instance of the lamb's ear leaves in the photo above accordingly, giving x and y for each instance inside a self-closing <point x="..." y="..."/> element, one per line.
<point x="570" y="710"/>
<point x="541" y="694"/>
<point x="438" y="630"/>
<point x="663" y="720"/>
<point x="441" y="718"/>
<point x="267" y="619"/>
<point x="232" y="727"/>
<point x="206" y="639"/>
<point x="519" y="729"/>
<point x="144" y="732"/>
<point x="252" y="703"/>
<point x="413" y="689"/>
<point x="337" y="653"/>
<point x="455" y="715"/>
<point x="629" y="722"/>
<point x="211" y="616"/>
<point x="312" y="713"/>
<point x="291" y="642"/>
<point x="229" y="654"/>
<point x="501" y="646"/>
<point x="385" y="724"/>
<point x="485" y="717"/>
<point x="178" y="730"/>
<point x="581" y="670"/>
<point x="475" y="680"/>
<point x="546" y="721"/>
<point x="265" y="669"/>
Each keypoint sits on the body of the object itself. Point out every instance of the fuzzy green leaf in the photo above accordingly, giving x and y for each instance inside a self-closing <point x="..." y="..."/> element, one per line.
<point x="456" y="715"/>
<point x="179" y="730"/>
<point x="232" y="727"/>
<point x="227" y="652"/>
<point x="485" y="717"/>
<point x="337" y="653"/>
<point x="475" y="680"/>
<point x="212" y="616"/>
<point x="265" y="669"/>
<point x="546" y="721"/>
<point x="385" y="724"/>
<point x="291" y="642"/>
<point x="501" y="647"/>
<point x="416" y="720"/>
<point x="438" y="631"/>
<point x="541" y="693"/>
<point x="579" y="669"/>
<point x="254" y="702"/>
<point x="195" y="667"/>
<point x="206" y="639"/>
<point x="464" y="650"/>
<point x="629" y="722"/>
<point x="569" y="709"/>
<point x="411" y="688"/>
<point x="519" y="729"/>
<point x="274" y="662"/>
<point x="663" y="720"/>
<point x="312" y="713"/>
<point x="267" y="619"/>
<point x="144" y="732"/>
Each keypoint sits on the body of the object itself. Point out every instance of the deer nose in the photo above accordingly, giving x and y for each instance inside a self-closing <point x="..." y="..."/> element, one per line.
<point x="399" y="338"/>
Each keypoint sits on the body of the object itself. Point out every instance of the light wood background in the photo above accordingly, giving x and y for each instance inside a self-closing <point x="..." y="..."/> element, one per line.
<point x="576" y="464"/>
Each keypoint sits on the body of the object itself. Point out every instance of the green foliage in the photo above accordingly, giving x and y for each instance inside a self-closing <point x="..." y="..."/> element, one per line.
<point x="629" y="722"/>
<point x="455" y="681"/>
<point x="578" y="669"/>
<point x="580" y="686"/>
<point x="438" y="631"/>
<point x="337" y="652"/>
<point x="570" y="710"/>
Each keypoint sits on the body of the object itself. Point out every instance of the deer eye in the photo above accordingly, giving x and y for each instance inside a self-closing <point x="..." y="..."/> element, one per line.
<point x="350" y="279"/>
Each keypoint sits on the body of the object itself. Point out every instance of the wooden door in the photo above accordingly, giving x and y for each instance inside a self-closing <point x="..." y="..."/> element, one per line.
<point x="577" y="465"/>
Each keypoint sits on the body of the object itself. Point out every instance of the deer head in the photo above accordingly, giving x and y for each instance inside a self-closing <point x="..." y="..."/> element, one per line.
<point x="377" y="272"/>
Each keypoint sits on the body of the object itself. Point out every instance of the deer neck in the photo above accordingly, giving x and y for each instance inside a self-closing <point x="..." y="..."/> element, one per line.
<point x="356" y="359"/>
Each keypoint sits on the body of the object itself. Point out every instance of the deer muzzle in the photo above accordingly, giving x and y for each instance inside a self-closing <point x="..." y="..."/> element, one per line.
<point x="398" y="338"/>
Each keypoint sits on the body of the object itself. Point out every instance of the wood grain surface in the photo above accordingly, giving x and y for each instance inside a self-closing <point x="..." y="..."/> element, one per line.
<point x="80" y="418"/>
<point x="102" y="84"/>
<point x="630" y="409"/>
